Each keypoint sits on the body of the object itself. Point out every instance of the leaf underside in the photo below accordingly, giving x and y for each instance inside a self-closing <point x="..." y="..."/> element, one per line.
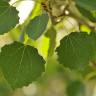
<point x="37" y="26"/>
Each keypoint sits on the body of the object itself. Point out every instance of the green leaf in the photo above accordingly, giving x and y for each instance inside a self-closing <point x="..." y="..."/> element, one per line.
<point x="8" y="17"/>
<point x="6" y="0"/>
<point x="87" y="13"/>
<point x="5" y="89"/>
<point x="21" y="64"/>
<point x="87" y="4"/>
<point x="75" y="50"/>
<point x="93" y="60"/>
<point x="37" y="26"/>
<point x="75" y="88"/>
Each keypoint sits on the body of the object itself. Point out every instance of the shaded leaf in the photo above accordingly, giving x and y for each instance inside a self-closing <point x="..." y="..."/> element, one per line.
<point x="75" y="50"/>
<point x="37" y="26"/>
<point x="93" y="60"/>
<point x="6" y="0"/>
<point x="75" y="88"/>
<point x="8" y="17"/>
<point x="20" y="64"/>
<point x="87" y="4"/>
<point x="87" y="14"/>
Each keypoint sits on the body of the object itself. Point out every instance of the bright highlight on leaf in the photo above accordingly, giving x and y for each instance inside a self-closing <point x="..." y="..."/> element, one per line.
<point x="37" y="26"/>
<point x="21" y="64"/>
<point x="8" y="17"/>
